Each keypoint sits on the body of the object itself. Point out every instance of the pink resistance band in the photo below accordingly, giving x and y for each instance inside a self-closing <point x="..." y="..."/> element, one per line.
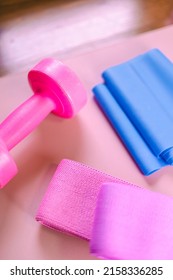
<point x="121" y="220"/>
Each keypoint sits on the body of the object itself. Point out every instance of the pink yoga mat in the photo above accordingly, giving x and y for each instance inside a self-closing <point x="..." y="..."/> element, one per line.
<point x="87" y="138"/>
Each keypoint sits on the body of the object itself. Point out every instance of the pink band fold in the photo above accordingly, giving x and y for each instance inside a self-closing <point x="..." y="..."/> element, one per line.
<point x="70" y="201"/>
<point x="121" y="220"/>
<point x="132" y="223"/>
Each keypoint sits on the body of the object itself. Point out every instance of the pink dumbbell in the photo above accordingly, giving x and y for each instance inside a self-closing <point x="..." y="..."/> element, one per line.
<point x="56" y="89"/>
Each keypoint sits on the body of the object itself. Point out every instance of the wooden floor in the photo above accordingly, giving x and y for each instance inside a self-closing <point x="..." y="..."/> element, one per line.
<point x="31" y="30"/>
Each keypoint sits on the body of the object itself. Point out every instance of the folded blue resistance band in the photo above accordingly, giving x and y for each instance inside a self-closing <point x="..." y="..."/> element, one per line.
<point x="137" y="98"/>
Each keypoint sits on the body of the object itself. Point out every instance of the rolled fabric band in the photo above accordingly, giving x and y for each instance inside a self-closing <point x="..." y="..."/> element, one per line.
<point x="121" y="220"/>
<point x="71" y="198"/>
<point x="137" y="99"/>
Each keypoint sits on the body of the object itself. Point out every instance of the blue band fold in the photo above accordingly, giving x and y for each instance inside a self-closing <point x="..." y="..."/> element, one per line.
<point x="137" y="98"/>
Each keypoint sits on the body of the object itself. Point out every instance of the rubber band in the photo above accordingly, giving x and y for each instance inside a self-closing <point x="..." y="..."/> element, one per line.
<point x="137" y="99"/>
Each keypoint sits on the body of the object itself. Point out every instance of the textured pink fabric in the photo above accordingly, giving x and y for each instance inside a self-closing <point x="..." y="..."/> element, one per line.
<point x="132" y="223"/>
<point x="71" y="198"/>
<point x="122" y="220"/>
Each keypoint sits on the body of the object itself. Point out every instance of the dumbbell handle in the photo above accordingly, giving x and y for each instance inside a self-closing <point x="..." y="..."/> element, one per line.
<point x="24" y="119"/>
<point x="56" y="89"/>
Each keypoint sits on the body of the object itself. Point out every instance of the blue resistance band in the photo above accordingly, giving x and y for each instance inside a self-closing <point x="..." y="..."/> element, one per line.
<point x="137" y="98"/>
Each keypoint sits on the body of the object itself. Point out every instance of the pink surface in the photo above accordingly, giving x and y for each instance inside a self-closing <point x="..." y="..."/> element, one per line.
<point x="87" y="138"/>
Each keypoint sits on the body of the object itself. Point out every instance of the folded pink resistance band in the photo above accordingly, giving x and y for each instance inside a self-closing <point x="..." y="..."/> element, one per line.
<point x="121" y="220"/>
